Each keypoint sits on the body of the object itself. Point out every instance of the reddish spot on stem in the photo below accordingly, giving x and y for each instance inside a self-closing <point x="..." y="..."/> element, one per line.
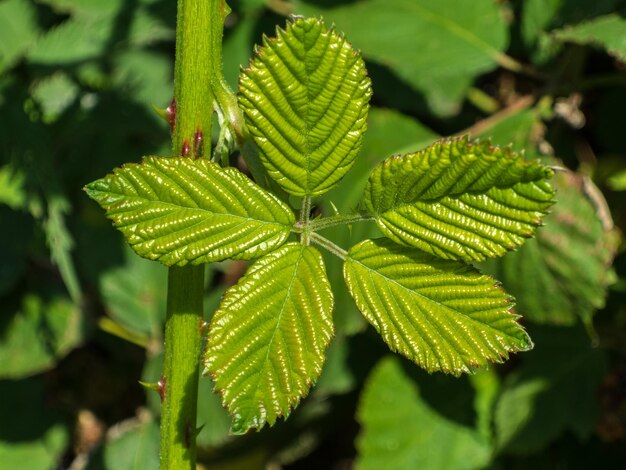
<point x="186" y="149"/>
<point x="170" y="114"/>
<point x="162" y="386"/>
<point x="198" y="143"/>
<point x="204" y="325"/>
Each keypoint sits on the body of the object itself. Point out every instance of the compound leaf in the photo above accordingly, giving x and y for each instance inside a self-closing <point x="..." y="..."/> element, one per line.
<point x="267" y="339"/>
<point x="459" y="200"/>
<point x="425" y="439"/>
<point x="305" y="98"/>
<point x="442" y="314"/>
<point x="181" y="211"/>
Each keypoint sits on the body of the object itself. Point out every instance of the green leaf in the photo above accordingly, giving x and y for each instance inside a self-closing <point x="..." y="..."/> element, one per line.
<point x="267" y="340"/>
<point x="388" y="132"/>
<point x="564" y="273"/>
<point x="61" y="243"/>
<point x="133" y="295"/>
<point x="442" y="314"/>
<point x="37" y="335"/>
<point x="305" y="98"/>
<point x="555" y="389"/>
<point x="33" y="434"/>
<point x="438" y="47"/>
<point x="18" y="30"/>
<point x="71" y="42"/>
<point x="459" y="200"/>
<point x="400" y="431"/>
<point x="608" y="32"/>
<point x="54" y="94"/>
<point x="133" y="445"/>
<point x="12" y="187"/>
<point x="180" y="211"/>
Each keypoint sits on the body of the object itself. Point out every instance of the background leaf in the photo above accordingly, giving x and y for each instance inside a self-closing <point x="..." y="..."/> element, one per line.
<point x="606" y="31"/>
<point x="134" y="445"/>
<point x="458" y="200"/>
<point x="18" y="30"/>
<point x="305" y="98"/>
<point x="50" y="329"/>
<point x="425" y="440"/>
<point x="450" y="41"/>
<point x="267" y="340"/>
<point x="181" y="211"/>
<point x="553" y="391"/>
<point x="562" y="275"/>
<point x="441" y="314"/>
<point x="32" y="434"/>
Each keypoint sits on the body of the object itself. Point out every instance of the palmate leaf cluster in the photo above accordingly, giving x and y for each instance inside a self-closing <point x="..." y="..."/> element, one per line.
<point x="305" y="98"/>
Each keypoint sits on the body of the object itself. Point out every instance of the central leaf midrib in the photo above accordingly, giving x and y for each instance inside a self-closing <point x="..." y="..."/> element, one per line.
<point x="278" y="320"/>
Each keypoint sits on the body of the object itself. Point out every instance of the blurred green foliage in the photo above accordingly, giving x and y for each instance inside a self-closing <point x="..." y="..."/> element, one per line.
<point x="81" y="316"/>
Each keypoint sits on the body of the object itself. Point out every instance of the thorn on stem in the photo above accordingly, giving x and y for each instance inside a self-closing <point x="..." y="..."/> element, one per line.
<point x="162" y="387"/>
<point x="170" y="114"/>
<point x="185" y="151"/>
<point x="198" y="144"/>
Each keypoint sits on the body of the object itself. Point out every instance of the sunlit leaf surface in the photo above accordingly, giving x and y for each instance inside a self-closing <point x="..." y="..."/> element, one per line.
<point x="305" y="97"/>
<point x="442" y="314"/>
<point x="180" y="211"/>
<point x="267" y="340"/>
<point x="459" y="200"/>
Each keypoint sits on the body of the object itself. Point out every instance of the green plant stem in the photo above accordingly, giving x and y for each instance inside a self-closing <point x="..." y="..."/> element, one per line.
<point x="330" y="246"/>
<point x="183" y="340"/>
<point x="199" y="26"/>
<point x="305" y="214"/>
<point x="339" y="219"/>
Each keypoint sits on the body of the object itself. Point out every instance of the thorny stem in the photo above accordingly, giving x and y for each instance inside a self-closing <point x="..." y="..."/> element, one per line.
<point x="199" y="26"/>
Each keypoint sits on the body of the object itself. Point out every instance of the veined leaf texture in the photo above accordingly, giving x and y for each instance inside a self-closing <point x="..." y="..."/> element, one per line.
<point x="442" y="314"/>
<point x="267" y="340"/>
<point x="459" y="200"/>
<point x="180" y="211"/>
<point x="305" y="97"/>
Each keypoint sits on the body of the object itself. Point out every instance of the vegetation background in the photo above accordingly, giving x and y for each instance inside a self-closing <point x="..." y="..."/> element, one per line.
<point x="81" y="316"/>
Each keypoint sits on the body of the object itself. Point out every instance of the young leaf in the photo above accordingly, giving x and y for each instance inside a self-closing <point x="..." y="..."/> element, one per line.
<point x="267" y="340"/>
<point x="305" y="98"/>
<point x="400" y="431"/>
<point x="180" y="211"/>
<point x="459" y="200"/>
<point x="442" y="314"/>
